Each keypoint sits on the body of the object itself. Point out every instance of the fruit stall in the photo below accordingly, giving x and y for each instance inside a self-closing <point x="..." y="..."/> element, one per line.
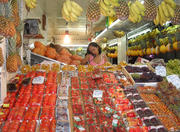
<point x="45" y="88"/>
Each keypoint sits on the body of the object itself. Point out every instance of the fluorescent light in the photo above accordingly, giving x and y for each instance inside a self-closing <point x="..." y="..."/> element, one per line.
<point x="114" y="23"/>
<point x="75" y="45"/>
<point x="113" y="44"/>
<point x="139" y="33"/>
<point x="99" y="35"/>
<point x="67" y="39"/>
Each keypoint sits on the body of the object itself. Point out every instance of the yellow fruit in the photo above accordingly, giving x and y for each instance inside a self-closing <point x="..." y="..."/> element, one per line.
<point x="157" y="50"/>
<point x="148" y="51"/>
<point x="176" y="45"/>
<point x="140" y="52"/>
<point x="153" y="51"/>
<point x="168" y="47"/>
<point x="163" y="49"/>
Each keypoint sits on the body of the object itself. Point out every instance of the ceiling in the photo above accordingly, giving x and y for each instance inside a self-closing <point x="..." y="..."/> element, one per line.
<point x="79" y="31"/>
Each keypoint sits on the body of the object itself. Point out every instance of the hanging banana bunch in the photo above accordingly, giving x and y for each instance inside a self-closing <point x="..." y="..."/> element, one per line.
<point x="71" y="11"/>
<point x="31" y="4"/>
<point x="165" y="11"/>
<point x="107" y="7"/>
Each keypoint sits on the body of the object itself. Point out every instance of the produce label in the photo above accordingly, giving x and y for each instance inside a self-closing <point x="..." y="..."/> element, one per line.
<point x="77" y="118"/>
<point x="115" y="122"/>
<point x="1" y="113"/>
<point x="6" y="105"/>
<point x="160" y="70"/>
<point x="175" y="80"/>
<point x="38" y="80"/>
<point x="97" y="94"/>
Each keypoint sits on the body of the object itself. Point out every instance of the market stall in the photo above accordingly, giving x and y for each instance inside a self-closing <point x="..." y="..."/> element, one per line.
<point x="45" y="88"/>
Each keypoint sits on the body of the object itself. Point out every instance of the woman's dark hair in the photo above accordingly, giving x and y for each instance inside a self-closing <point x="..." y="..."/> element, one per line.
<point x="94" y="45"/>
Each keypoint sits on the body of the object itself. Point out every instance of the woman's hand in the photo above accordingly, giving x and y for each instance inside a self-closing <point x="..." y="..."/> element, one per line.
<point x="86" y="59"/>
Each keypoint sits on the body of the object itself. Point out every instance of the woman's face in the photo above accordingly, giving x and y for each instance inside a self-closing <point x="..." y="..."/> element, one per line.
<point x="94" y="50"/>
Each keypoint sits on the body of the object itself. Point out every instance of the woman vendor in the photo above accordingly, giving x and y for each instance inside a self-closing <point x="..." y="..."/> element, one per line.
<point x="94" y="55"/>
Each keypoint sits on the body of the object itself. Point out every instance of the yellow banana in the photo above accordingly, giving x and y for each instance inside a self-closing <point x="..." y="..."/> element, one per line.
<point x="115" y="3"/>
<point x="76" y="12"/>
<point x="161" y="14"/>
<point x="139" y="5"/>
<point x="103" y="12"/>
<point x="157" y="17"/>
<point x="73" y="17"/>
<point x="164" y="8"/>
<point x="139" y="18"/>
<point x="68" y="5"/>
<point x="65" y="9"/>
<point x="135" y="9"/>
<point x="107" y="3"/>
<point x="103" y="6"/>
<point x="170" y="11"/>
<point x="171" y="3"/>
<point x="76" y="6"/>
<point x="111" y="12"/>
<point x="65" y="16"/>
<point x="131" y="19"/>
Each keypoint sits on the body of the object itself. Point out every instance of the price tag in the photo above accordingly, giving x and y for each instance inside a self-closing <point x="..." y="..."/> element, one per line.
<point x="115" y="122"/>
<point x="97" y="94"/>
<point x="116" y="116"/>
<point x="1" y="113"/>
<point x="81" y="128"/>
<point x="175" y="80"/>
<point x="160" y="70"/>
<point x="38" y="80"/>
<point x="77" y="118"/>
<point x="6" y="105"/>
<point x="107" y="108"/>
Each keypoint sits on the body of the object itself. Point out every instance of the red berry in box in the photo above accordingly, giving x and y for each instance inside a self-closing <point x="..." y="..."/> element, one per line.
<point x="76" y="100"/>
<point x="75" y="93"/>
<point x="77" y="109"/>
<point x="84" y="86"/>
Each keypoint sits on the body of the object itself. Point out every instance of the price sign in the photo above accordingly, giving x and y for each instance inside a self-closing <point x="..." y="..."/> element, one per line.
<point x="175" y="80"/>
<point x="6" y="105"/>
<point x="97" y="94"/>
<point x="38" y="80"/>
<point x="160" y="70"/>
<point x="77" y="118"/>
<point x="115" y="122"/>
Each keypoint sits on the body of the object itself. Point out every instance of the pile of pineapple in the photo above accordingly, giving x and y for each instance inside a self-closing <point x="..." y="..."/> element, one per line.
<point x="10" y="28"/>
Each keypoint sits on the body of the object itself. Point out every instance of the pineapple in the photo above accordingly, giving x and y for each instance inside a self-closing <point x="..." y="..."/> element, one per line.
<point x="176" y="18"/>
<point x="122" y="12"/>
<point x="1" y="57"/>
<point x="18" y="39"/>
<point x="151" y="10"/>
<point x="93" y="12"/>
<point x="7" y="27"/>
<point x="15" y="13"/>
<point x="12" y="60"/>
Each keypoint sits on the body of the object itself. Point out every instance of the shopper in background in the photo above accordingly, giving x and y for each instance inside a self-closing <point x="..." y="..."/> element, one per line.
<point x="94" y="55"/>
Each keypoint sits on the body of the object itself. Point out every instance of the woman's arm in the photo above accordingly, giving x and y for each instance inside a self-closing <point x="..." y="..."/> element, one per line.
<point x="105" y="58"/>
<point x="85" y="60"/>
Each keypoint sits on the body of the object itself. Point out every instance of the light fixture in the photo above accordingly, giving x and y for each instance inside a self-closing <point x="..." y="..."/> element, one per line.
<point x="99" y="35"/>
<point x="67" y="39"/>
<point x="114" y="23"/>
